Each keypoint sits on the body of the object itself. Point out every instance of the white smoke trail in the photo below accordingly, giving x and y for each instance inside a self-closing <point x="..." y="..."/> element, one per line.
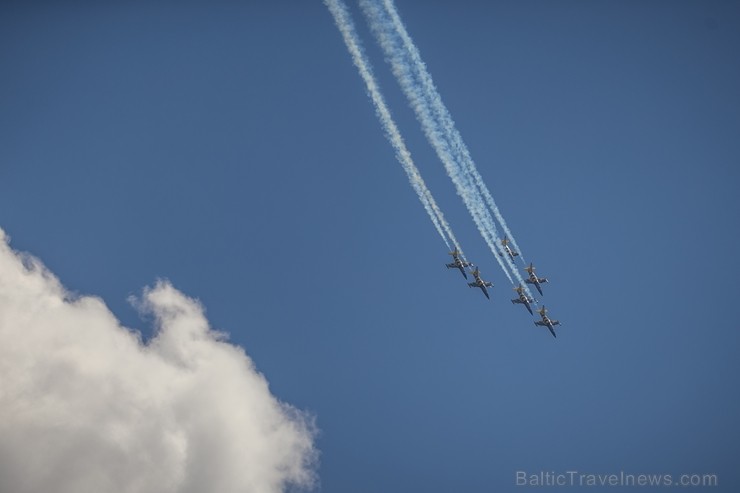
<point x="437" y="135"/>
<point x="346" y="27"/>
<point x="444" y="118"/>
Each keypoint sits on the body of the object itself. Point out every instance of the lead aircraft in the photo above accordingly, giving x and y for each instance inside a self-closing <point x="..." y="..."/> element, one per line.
<point x="546" y="321"/>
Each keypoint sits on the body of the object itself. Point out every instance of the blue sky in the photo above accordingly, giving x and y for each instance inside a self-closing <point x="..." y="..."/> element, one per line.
<point x="230" y="148"/>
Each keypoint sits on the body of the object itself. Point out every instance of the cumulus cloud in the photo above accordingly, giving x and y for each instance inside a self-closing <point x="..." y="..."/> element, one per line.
<point x="85" y="406"/>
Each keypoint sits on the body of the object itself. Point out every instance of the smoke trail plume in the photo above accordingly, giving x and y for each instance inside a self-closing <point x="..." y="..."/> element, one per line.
<point x="443" y="116"/>
<point x="346" y="27"/>
<point x="436" y="129"/>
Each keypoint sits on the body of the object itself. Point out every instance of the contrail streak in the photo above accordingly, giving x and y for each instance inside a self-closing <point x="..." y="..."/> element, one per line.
<point x="346" y="27"/>
<point x="438" y="128"/>
<point x="444" y="118"/>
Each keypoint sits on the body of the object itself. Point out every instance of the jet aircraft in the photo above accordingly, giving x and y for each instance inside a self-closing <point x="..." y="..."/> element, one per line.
<point x="523" y="299"/>
<point x="546" y="321"/>
<point x="509" y="251"/>
<point x="458" y="263"/>
<point x="480" y="283"/>
<point x="533" y="279"/>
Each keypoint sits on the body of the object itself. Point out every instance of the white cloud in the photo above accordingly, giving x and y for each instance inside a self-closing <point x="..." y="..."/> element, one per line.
<point x="85" y="406"/>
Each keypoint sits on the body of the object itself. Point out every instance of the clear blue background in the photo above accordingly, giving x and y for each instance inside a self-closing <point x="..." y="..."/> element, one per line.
<point x="230" y="147"/>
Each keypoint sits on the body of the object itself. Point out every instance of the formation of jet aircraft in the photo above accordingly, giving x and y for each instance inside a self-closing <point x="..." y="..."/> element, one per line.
<point x="522" y="298"/>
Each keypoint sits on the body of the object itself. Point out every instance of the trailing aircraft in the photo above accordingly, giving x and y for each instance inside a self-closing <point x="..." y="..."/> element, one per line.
<point x="480" y="283"/>
<point x="533" y="279"/>
<point x="509" y="251"/>
<point x="546" y="321"/>
<point x="523" y="299"/>
<point x="458" y="263"/>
